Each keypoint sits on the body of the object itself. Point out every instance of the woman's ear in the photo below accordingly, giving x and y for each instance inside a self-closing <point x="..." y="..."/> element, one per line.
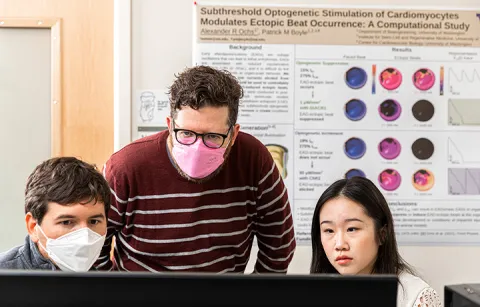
<point x="383" y="234"/>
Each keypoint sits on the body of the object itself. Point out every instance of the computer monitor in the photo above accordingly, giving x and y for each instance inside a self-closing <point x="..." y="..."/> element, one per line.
<point x="467" y="295"/>
<point x="40" y="288"/>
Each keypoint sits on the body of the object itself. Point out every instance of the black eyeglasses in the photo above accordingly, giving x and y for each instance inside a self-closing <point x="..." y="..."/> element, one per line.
<point x="211" y="140"/>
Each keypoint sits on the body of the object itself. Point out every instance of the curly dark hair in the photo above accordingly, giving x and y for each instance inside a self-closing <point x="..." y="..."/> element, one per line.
<point x="202" y="86"/>
<point x="66" y="181"/>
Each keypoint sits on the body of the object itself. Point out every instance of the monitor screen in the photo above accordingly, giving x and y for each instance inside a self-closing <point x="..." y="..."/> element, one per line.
<point x="467" y="295"/>
<point x="42" y="288"/>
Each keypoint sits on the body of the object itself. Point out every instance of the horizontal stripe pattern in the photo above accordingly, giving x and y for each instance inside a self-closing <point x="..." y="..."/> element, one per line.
<point x="163" y="222"/>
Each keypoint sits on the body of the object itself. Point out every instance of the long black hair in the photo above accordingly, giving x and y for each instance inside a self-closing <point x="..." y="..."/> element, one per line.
<point x="365" y="193"/>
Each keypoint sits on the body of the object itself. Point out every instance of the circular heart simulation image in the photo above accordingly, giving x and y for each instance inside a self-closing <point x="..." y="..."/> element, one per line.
<point x="390" y="110"/>
<point x="389" y="148"/>
<point x="423" y="148"/>
<point x="355" y="109"/>
<point x="389" y="179"/>
<point x="423" y="110"/>
<point x="423" y="79"/>
<point x="354" y="172"/>
<point x="355" y="148"/>
<point x="356" y="77"/>
<point x="391" y="78"/>
<point x="423" y="180"/>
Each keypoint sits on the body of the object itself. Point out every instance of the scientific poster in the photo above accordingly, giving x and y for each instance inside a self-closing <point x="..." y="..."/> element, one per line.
<point x="389" y="94"/>
<point x="149" y="111"/>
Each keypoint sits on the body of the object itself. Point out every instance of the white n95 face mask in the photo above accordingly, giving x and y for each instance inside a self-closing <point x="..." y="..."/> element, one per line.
<point x="75" y="251"/>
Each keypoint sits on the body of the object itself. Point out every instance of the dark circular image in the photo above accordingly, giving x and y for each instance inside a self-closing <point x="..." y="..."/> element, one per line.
<point x="423" y="149"/>
<point x="354" y="172"/>
<point x="355" y="148"/>
<point x="355" y="109"/>
<point x="423" y="110"/>
<point x="390" y="110"/>
<point x="389" y="148"/>
<point x="356" y="77"/>
<point x="389" y="179"/>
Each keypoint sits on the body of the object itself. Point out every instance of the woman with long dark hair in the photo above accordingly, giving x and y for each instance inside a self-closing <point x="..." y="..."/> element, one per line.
<point x="353" y="233"/>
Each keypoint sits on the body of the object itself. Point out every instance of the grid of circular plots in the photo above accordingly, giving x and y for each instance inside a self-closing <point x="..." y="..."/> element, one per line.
<point x="390" y="109"/>
<point x="390" y="148"/>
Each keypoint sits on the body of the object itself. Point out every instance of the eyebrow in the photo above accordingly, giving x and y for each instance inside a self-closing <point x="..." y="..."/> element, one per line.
<point x="67" y="216"/>
<point x="229" y="127"/>
<point x="98" y="216"/>
<point x="346" y="220"/>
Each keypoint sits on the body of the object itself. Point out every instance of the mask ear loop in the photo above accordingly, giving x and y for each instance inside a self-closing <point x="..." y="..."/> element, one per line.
<point x="45" y="236"/>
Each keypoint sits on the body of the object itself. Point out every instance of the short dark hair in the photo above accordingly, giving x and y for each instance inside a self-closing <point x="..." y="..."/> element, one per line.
<point x="365" y="193"/>
<point x="64" y="180"/>
<point x="202" y="86"/>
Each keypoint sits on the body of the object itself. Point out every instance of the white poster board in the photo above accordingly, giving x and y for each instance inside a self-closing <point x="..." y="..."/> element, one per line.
<point x="391" y="94"/>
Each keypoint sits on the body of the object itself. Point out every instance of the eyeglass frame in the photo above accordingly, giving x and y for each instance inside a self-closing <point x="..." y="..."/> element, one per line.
<point x="202" y="135"/>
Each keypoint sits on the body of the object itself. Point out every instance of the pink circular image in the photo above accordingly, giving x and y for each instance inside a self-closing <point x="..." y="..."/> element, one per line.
<point x="424" y="79"/>
<point x="389" y="179"/>
<point x="390" y="78"/>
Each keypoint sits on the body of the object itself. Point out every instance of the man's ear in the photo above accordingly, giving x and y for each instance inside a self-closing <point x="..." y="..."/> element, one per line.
<point x="169" y="123"/>
<point x="31" y="224"/>
<point x="235" y="131"/>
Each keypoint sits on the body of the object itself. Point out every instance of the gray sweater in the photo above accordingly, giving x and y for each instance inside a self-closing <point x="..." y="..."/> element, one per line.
<point x="25" y="257"/>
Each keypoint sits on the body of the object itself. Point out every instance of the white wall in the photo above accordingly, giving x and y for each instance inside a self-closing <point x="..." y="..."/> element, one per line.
<point x="25" y="121"/>
<point x="162" y="46"/>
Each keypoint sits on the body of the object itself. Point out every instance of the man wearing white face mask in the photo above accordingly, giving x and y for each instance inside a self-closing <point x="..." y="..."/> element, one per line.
<point x="194" y="197"/>
<point x="66" y="202"/>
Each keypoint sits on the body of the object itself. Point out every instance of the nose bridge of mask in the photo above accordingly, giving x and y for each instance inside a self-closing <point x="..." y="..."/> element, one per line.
<point x="83" y="235"/>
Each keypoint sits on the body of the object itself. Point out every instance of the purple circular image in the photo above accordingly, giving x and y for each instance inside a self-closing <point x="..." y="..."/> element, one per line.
<point x="390" y="110"/>
<point x="354" y="172"/>
<point x="389" y="148"/>
<point x="355" y="148"/>
<point x="356" y="77"/>
<point x="389" y="179"/>
<point x="355" y="109"/>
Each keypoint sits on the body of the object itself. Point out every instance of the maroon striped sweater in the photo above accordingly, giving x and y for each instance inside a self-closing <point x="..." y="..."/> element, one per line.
<point x="163" y="222"/>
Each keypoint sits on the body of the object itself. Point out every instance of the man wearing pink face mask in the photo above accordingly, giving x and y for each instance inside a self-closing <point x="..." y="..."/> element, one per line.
<point x="193" y="197"/>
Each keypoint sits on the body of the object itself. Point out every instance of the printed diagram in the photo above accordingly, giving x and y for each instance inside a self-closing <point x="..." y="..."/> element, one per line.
<point x="280" y="156"/>
<point x="463" y="81"/>
<point x="148" y="103"/>
<point x="464" y="181"/>
<point x="464" y="112"/>
<point x="459" y="153"/>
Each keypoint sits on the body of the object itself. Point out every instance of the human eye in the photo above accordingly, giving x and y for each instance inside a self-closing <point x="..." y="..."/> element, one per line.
<point x="185" y="133"/>
<point x="95" y="222"/>
<point x="328" y="230"/>
<point x="213" y="140"/>
<point x="213" y="137"/>
<point x="352" y="229"/>
<point x="65" y="223"/>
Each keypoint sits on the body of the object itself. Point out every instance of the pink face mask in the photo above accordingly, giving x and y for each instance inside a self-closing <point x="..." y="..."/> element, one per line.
<point x="197" y="160"/>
